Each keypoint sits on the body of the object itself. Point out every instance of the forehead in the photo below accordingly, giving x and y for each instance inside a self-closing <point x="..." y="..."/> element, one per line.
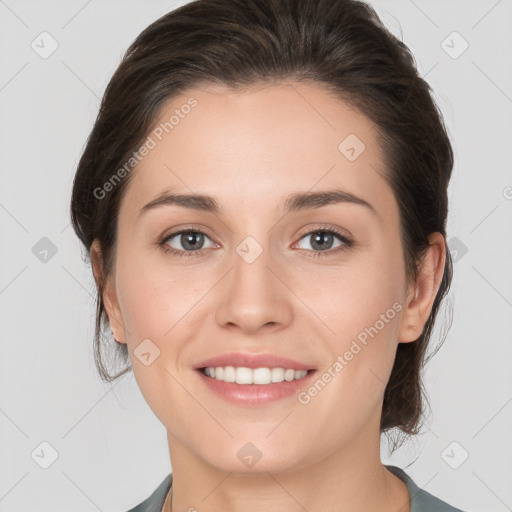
<point x="254" y="146"/>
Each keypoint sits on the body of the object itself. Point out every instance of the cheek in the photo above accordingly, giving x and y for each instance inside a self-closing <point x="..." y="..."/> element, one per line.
<point x="361" y="306"/>
<point x="353" y="296"/>
<point x="365" y="324"/>
<point x="363" y="313"/>
<point x="157" y="305"/>
<point x="155" y="298"/>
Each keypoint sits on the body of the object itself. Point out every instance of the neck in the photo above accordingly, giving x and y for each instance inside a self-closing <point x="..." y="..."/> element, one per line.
<point x="350" y="480"/>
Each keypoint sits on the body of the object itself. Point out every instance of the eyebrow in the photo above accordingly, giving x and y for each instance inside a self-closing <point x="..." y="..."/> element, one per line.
<point x="294" y="202"/>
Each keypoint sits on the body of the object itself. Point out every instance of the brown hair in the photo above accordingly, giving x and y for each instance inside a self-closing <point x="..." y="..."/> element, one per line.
<point x="339" y="44"/>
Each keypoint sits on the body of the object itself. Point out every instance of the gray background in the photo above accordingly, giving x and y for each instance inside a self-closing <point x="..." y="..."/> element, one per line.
<point x="112" y="450"/>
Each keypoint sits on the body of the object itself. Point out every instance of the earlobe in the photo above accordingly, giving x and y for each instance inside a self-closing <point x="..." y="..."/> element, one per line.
<point x="422" y="294"/>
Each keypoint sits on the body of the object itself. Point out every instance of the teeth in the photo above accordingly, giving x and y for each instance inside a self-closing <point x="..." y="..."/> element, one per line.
<point x="242" y="375"/>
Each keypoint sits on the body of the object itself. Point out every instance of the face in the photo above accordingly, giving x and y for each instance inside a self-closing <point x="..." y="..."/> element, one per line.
<point x="319" y="282"/>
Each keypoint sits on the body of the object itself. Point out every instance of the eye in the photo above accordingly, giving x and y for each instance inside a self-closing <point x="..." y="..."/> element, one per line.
<point x="322" y="240"/>
<point x="185" y="241"/>
<point x="190" y="242"/>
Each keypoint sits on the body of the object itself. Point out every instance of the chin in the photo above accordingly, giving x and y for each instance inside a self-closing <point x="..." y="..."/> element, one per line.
<point x="247" y="458"/>
<point x="259" y="468"/>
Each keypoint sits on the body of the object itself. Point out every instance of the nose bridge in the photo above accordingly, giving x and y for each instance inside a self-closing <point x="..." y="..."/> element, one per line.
<point x="253" y="296"/>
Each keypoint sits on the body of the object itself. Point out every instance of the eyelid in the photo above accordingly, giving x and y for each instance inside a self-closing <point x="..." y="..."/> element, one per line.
<point x="347" y="240"/>
<point x="326" y="227"/>
<point x="162" y="241"/>
<point x="187" y="227"/>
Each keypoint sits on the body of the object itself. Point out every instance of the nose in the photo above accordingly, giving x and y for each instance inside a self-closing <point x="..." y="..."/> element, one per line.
<point x="254" y="295"/>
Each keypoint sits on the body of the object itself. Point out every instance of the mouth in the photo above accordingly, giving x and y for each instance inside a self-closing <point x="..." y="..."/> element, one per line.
<point x="254" y="380"/>
<point x="260" y="376"/>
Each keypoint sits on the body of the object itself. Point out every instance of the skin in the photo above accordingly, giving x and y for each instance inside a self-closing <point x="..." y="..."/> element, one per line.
<point x="250" y="149"/>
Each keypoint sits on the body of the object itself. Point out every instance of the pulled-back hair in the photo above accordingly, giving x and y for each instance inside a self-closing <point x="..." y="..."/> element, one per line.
<point x="339" y="44"/>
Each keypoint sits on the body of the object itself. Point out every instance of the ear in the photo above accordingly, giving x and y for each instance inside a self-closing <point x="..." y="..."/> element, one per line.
<point x="423" y="292"/>
<point x="109" y="293"/>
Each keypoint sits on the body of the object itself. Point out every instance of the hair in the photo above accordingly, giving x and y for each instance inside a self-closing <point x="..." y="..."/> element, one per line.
<point x="340" y="45"/>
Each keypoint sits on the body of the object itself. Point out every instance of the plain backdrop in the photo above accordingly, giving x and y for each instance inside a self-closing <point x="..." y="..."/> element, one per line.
<point x="104" y="448"/>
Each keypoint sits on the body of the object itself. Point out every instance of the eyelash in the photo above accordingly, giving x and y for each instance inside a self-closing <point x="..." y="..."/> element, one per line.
<point x="348" y="243"/>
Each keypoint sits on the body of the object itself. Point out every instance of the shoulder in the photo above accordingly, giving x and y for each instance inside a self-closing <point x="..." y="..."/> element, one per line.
<point x="421" y="500"/>
<point x="155" y="501"/>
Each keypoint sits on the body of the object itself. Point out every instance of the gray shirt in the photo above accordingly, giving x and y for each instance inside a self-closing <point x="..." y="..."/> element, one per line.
<point x="421" y="501"/>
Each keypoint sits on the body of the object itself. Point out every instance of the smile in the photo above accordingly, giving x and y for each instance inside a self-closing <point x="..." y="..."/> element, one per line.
<point x="244" y="375"/>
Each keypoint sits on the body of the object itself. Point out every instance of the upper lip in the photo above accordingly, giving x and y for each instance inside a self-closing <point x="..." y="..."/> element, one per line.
<point x="252" y="361"/>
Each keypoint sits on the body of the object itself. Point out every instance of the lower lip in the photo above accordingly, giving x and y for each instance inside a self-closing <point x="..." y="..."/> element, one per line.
<point x="255" y="394"/>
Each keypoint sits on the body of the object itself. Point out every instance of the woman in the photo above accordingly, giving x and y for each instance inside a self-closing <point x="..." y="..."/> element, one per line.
<point x="264" y="199"/>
